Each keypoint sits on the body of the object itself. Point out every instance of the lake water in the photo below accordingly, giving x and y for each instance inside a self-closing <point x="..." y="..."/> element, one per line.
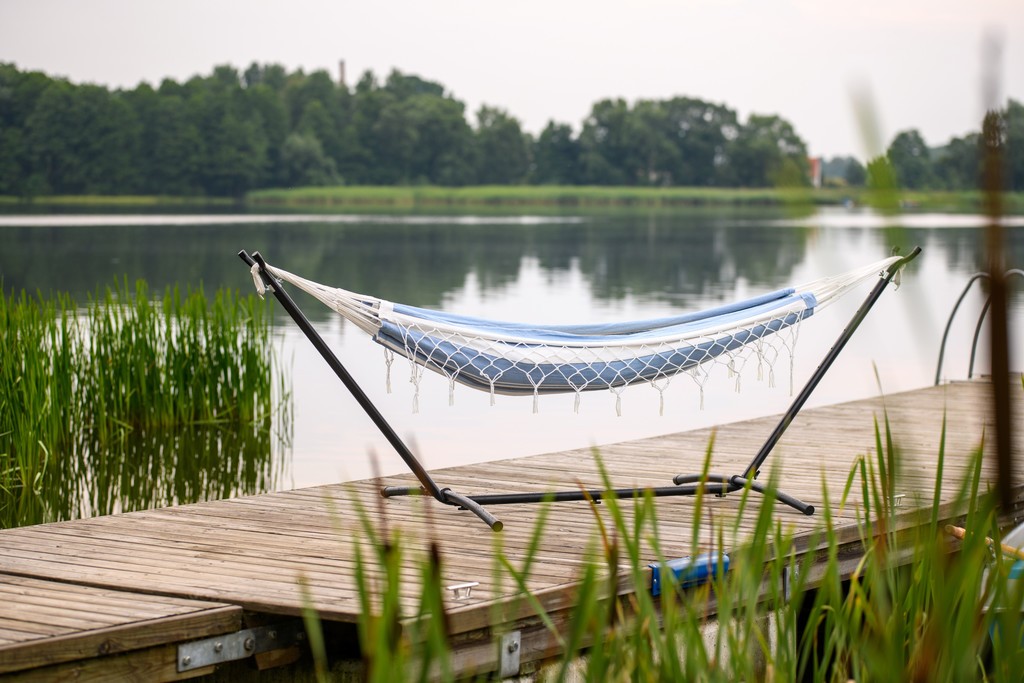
<point x="589" y="268"/>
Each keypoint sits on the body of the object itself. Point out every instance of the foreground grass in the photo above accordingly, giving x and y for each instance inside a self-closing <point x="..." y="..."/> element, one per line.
<point x="910" y="609"/>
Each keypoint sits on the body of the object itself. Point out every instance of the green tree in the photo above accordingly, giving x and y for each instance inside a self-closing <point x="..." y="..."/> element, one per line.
<point x="604" y="145"/>
<point x="652" y="159"/>
<point x="316" y="91"/>
<point x="444" y="152"/>
<point x="385" y="136"/>
<point x="149" y="164"/>
<point x="13" y="174"/>
<point x="83" y="140"/>
<point x="556" y="155"/>
<point x="405" y="86"/>
<point x="911" y="161"/>
<point x="767" y="152"/>
<point x="225" y="78"/>
<point x="856" y="175"/>
<point x="503" y="150"/>
<point x="407" y="131"/>
<point x="1013" y="116"/>
<point x="702" y="132"/>
<point x="233" y="143"/>
<point x="957" y="166"/>
<point x="316" y="120"/>
<point x="304" y="163"/>
<point x="267" y="108"/>
<point x="273" y="76"/>
<point x="177" y="150"/>
<point x="19" y="93"/>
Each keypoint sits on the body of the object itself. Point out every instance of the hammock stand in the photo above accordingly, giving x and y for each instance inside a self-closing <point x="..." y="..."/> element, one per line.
<point x="684" y="484"/>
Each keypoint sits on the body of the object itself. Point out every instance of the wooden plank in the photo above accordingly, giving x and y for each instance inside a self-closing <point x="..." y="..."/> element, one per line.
<point x="139" y="666"/>
<point x="36" y="633"/>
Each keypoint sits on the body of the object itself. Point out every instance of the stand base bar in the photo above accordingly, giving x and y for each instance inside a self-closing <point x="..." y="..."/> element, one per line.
<point x="449" y="497"/>
<point x="691" y="485"/>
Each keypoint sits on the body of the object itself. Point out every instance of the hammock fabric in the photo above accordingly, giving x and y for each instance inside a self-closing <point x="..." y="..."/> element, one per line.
<point x="517" y="358"/>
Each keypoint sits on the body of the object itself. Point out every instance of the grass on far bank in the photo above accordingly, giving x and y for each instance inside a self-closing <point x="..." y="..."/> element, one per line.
<point x="516" y="198"/>
<point x="114" y="201"/>
<point x="556" y="197"/>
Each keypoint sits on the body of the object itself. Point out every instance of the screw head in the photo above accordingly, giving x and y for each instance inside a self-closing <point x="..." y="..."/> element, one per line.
<point x="186" y="660"/>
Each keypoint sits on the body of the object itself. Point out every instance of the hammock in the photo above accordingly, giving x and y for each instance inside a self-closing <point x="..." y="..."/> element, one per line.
<point x="513" y="358"/>
<point x="518" y="358"/>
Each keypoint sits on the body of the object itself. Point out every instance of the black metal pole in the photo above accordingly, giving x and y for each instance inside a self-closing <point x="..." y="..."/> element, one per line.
<point x="949" y="324"/>
<point x="740" y="483"/>
<point x="805" y="393"/>
<point x="364" y="402"/>
<point x="587" y="494"/>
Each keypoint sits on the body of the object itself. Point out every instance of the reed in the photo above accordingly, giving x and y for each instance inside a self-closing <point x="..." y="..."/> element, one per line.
<point x="33" y="425"/>
<point x="911" y="609"/>
<point x="134" y="401"/>
<point x="182" y="360"/>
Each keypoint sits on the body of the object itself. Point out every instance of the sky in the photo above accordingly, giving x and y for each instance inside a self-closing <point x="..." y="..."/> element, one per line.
<point x="904" y="64"/>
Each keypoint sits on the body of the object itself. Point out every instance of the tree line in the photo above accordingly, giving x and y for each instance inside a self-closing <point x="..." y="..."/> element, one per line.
<point x="230" y="132"/>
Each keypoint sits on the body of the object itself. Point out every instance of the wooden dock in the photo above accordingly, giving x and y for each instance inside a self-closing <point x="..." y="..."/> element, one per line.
<point x="126" y="596"/>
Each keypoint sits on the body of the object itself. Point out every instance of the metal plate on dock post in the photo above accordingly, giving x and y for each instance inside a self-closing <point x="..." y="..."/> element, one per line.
<point x="511" y="645"/>
<point x="239" y="645"/>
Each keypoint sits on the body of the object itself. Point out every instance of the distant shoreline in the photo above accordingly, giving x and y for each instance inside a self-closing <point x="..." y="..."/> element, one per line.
<point x="547" y="199"/>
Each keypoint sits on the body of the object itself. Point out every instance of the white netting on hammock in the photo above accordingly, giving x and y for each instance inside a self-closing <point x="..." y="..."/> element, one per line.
<point x="515" y="358"/>
<point x="532" y="367"/>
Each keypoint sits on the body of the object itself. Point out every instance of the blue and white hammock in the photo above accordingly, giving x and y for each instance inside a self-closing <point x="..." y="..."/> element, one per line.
<point x="518" y="358"/>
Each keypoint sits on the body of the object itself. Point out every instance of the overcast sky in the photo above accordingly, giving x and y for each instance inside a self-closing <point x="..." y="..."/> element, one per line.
<point x="920" y="61"/>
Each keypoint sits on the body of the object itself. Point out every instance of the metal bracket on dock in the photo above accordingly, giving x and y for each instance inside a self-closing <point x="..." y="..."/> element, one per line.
<point x="508" y="654"/>
<point x="234" y="646"/>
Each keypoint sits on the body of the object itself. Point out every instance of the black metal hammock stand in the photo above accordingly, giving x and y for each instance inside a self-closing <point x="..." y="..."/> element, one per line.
<point x="512" y="358"/>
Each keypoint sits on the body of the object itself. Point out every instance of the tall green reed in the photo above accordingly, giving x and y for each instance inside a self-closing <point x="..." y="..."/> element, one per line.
<point x="182" y="360"/>
<point x="33" y="421"/>
<point x="134" y="401"/>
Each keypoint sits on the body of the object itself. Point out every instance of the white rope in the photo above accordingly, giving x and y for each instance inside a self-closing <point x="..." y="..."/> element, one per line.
<point x="415" y="375"/>
<point x="389" y="359"/>
<point x="257" y="280"/>
<point x="618" y="399"/>
<point x="661" y="394"/>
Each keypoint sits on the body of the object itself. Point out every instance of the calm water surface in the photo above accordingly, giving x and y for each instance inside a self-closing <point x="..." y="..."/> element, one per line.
<point x="542" y="269"/>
